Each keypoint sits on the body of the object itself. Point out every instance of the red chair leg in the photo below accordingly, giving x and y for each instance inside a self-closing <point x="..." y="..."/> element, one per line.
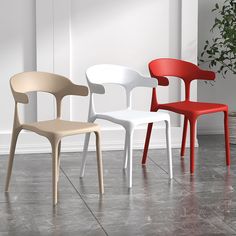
<point x="227" y="145"/>
<point x="192" y="143"/>
<point x="184" y="136"/>
<point x="148" y="136"/>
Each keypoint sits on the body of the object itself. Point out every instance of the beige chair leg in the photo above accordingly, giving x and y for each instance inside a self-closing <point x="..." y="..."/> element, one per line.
<point x="99" y="163"/>
<point x="14" y="137"/>
<point x="55" y="149"/>
<point x="58" y="161"/>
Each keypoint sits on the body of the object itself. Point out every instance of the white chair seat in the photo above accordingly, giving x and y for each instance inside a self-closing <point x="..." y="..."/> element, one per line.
<point x="133" y="116"/>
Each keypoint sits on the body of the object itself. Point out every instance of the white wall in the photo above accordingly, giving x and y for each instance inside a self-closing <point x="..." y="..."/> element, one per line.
<point x="118" y="32"/>
<point x="223" y="90"/>
<point x="127" y="32"/>
<point x="17" y="54"/>
<point x="131" y="32"/>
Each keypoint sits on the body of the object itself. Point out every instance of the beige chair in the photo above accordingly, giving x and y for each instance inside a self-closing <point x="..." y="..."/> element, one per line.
<point x="53" y="130"/>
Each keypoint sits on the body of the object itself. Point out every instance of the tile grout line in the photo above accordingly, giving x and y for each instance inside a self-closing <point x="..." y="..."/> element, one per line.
<point x="182" y="185"/>
<point x="84" y="201"/>
<point x="165" y="172"/>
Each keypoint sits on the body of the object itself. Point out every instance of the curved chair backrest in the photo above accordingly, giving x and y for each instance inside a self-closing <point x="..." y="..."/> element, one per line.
<point x="184" y="70"/>
<point x="98" y="75"/>
<point x="34" y="81"/>
<point x="115" y="74"/>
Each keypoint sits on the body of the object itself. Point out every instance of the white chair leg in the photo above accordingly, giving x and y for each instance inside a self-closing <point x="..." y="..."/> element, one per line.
<point x="86" y="143"/>
<point x="130" y="156"/>
<point x="169" y="151"/>
<point x="125" y="152"/>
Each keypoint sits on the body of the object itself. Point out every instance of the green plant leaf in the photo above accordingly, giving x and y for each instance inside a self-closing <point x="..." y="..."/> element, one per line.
<point x="220" y="51"/>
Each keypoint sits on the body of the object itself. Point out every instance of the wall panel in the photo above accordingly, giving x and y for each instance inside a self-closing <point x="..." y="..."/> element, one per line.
<point x="73" y="35"/>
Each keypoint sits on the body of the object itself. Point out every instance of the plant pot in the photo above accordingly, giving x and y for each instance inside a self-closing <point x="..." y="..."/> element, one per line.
<point x="232" y="127"/>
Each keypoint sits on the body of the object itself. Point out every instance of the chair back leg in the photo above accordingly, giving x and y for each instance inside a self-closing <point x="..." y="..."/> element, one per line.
<point x="99" y="163"/>
<point x="227" y="145"/>
<point x="169" y="151"/>
<point x="192" y="143"/>
<point x="130" y="156"/>
<point x="147" y="141"/>
<point x="86" y="143"/>
<point x="184" y="137"/>
<point x="15" y="134"/>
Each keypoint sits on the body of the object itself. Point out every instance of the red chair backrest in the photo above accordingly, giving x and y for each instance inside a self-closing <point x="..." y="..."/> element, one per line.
<point x="160" y="68"/>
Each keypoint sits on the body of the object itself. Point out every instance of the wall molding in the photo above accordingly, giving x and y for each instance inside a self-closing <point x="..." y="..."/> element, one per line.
<point x="216" y="130"/>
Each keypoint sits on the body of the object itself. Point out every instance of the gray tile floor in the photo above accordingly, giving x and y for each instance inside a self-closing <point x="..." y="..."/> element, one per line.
<point x="203" y="204"/>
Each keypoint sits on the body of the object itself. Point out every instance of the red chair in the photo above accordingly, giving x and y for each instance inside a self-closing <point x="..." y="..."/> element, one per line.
<point x="191" y="110"/>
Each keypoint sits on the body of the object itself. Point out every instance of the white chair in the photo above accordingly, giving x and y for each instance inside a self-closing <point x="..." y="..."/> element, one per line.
<point x="113" y="74"/>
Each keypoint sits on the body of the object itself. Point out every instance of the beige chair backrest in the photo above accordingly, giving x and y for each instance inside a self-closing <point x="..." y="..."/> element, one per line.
<point x="54" y="84"/>
<point x="55" y="129"/>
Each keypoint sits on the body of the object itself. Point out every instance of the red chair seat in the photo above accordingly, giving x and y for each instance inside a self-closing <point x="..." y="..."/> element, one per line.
<point x="189" y="108"/>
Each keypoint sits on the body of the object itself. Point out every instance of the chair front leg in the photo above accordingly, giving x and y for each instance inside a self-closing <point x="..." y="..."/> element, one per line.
<point x="147" y="141"/>
<point x="85" y="150"/>
<point x="58" y="161"/>
<point x="184" y="136"/>
<point x="227" y="144"/>
<point x="15" y="134"/>
<point x="125" y="151"/>
<point x="55" y="154"/>
<point x="192" y="143"/>
<point x="130" y="155"/>
<point x="169" y="151"/>
<point x="99" y="163"/>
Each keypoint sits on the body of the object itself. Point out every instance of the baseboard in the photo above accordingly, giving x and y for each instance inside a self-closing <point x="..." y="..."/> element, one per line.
<point x="111" y="139"/>
<point x="203" y="131"/>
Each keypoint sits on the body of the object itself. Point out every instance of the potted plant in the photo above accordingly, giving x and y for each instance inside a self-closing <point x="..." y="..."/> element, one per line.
<point x="220" y="52"/>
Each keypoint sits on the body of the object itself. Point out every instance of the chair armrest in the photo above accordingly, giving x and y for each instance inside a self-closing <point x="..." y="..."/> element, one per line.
<point x="96" y="88"/>
<point x="74" y="89"/>
<point x="77" y="90"/>
<point x="20" y="97"/>
<point x="206" y="75"/>
<point x="148" y="82"/>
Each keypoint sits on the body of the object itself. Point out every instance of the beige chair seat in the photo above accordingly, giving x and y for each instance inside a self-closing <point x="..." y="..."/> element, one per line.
<point x="60" y="127"/>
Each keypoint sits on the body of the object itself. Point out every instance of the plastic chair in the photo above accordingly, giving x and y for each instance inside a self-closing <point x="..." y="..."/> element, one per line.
<point x="53" y="130"/>
<point x="113" y="74"/>
<point x="191" y="110"/>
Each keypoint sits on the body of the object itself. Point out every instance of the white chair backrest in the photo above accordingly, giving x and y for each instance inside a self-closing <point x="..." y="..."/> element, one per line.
<point x="98" y="75"/>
